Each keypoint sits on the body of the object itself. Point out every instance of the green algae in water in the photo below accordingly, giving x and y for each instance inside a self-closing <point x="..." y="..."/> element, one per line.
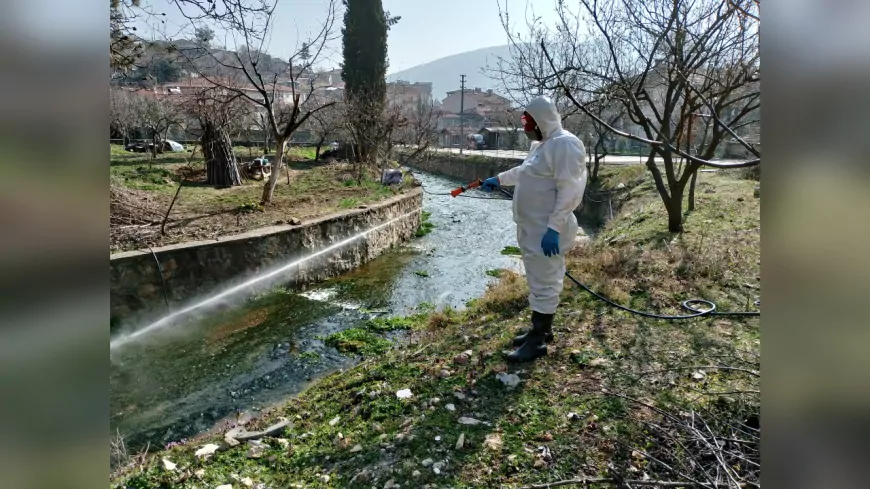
<point x="382" y="325"/>
<point x="358" y="341"/>
<point x="425" y="225"/>
<point x="511" y="251"/>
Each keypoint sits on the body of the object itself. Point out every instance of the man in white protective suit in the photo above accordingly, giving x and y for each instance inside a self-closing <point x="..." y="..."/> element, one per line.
<point x="549" y="185"/>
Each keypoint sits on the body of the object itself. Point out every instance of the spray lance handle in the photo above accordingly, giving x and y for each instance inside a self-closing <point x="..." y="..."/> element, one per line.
<point x="459" y="190"/>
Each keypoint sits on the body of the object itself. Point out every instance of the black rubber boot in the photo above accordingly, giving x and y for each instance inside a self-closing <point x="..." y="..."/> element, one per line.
<point x="546" y="321"/>
<point x="534" y="346"/>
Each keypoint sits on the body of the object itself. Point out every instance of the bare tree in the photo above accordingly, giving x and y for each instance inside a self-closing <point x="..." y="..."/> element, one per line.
<point x="122" y="112"/>
<point x="276" y="88"/>
<point x="124" y="47"/>
<point x="155" y="115"/>
<point x="419" y="129"/>
<point x="326" y="125"/>
<point x="683" y="73"/>
<point x="219" y="114"/>
<point x="387" y="126"/>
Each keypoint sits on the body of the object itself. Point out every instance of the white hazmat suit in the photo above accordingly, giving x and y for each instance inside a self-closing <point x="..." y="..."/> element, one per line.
<point x="549" y="185"/>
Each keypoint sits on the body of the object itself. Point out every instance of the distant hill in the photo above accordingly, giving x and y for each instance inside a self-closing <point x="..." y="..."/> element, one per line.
<point x="444" y="72"/>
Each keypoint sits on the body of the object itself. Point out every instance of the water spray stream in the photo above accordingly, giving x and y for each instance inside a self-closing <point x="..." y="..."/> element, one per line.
<point x="165" y="321"/>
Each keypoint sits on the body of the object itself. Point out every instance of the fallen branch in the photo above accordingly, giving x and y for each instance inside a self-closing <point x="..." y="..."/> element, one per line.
<point x="700" y="367"/>
<point x="166" y="217"/>
<point x="585" y="481"/>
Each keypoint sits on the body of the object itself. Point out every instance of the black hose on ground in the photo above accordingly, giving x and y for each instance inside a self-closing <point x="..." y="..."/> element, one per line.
<point x="687" y="304"/>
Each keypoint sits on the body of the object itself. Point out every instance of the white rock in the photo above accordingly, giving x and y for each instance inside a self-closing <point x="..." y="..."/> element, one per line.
<point x="199" y="473"/>
<point x="427" y="462"/>
<point x="461" y="441"/>
<point x="620" y="186"/>
<point x="334" y="421"/>
<point x="206" y="450"/>
<point x="468" y="353"/>
<point x="699" y="375"/>
<point x="438" y="438"/>
<point x="257" y="448"/>
<point x="459" y="395"/>
<point x="224" y="486"/>
<point x="285" y="443"/>
<point x="390" y="484"/>
<point x="168" y="465"/>
<point x="493" y="441"/>
<point x="450" y="407"/>
<point x="324" y="478"/>
<point x="404" y="394"/>
<point x="356" y="448"/>
<point x="509" y="380"/>
<point x="469" y="421"/>
<point x="599" y="362"/>
<point x="415" y="473"/>
<point x="248" y="481"/>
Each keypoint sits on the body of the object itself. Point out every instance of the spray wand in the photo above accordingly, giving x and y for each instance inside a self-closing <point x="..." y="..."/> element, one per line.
<point x="463" y="188"/>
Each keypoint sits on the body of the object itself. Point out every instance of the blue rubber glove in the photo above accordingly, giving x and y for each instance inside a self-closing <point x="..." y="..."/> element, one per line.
<point x="550" y="243"/>
<point x="490" y="184"/>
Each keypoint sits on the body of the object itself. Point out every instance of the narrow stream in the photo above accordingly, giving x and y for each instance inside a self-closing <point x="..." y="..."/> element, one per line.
<point x="184" y="380"/>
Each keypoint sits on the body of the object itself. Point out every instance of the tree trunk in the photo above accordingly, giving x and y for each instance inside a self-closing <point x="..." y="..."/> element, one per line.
<point x="317" y="149"/>
<point x="675" y="210"/>
<point x="600" y="153"/>
<point x="673" y="200"/>
<point x="222" y="169"/>
<point x="153" y="148"/>
<point x="692" y="191"/>
<point x="269" y="188"/>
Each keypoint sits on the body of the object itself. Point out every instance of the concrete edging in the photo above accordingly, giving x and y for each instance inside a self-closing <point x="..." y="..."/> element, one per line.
<point x="197" y="268"/>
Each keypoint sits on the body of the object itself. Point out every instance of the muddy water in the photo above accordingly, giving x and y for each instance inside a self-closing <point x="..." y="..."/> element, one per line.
<point x="230" y="363"/>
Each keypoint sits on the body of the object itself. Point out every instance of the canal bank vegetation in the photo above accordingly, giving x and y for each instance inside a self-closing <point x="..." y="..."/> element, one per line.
<point x="618" y="398"/>
<point x="142" y="191"/>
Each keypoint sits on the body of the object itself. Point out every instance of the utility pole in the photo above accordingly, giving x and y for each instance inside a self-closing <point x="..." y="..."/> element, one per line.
<point x="461" y="110"/>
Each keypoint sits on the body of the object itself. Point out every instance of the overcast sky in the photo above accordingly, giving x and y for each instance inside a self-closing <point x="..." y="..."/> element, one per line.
<point x="428" y="29"/>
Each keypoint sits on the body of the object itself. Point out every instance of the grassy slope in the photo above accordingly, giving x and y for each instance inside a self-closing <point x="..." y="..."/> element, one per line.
<point x="533" y="435"/>
<point x="206" y="212"/>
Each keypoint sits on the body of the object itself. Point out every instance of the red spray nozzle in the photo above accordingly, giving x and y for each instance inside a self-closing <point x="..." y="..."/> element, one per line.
<point x="459" y="190"/>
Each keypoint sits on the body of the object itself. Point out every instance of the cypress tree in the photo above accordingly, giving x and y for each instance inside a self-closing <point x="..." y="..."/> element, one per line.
<point x="364" y="42"/>
<point x="364" y="69"/>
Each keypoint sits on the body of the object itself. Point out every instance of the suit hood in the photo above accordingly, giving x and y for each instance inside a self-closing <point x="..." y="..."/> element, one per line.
<point x="545" y="114"/>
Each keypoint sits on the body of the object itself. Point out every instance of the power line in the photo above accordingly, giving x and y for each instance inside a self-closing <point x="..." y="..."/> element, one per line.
<point x="461" y="110"/>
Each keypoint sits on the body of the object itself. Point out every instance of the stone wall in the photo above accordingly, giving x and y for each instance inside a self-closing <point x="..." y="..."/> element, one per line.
<point x="462" y="167"/>
<point x="195" y="269"/>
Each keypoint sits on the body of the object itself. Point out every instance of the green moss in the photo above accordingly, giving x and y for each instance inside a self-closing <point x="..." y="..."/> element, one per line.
<point x="381" y="325"/>
<point x="358" y="341"/>
<point x="511" y="251"/>
<point x="309" y="355"/>
<point x="425" y="225"/>
<point x="496" y="272"/>
<point x="421" y="273"/>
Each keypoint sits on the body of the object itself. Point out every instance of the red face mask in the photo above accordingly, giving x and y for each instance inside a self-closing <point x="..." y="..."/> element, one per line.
<point x="528" y="123"/>
<point x="531" y="128"/>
